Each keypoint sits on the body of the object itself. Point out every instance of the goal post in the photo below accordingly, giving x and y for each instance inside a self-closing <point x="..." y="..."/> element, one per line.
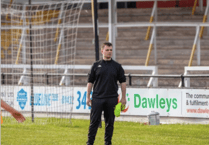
<point x="41" y="33"/>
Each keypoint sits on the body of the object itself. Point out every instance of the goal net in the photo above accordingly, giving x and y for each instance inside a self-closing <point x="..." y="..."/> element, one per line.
<point x="38" y="45"/>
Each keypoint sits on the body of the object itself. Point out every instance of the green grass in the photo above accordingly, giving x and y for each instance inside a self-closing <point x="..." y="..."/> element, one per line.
<point x="48" y="132"/>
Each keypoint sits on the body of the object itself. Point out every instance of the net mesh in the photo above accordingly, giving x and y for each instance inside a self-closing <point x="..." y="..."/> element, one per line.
<point x="38" y="45"/>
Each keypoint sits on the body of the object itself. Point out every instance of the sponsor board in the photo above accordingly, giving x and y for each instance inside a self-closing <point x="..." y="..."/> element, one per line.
<point x="143" y="101"/>
<point x="50" y="99"/>
<point x="168" y="102"/>
<point x="196" y="103"/>
<point x="7" y="94"/>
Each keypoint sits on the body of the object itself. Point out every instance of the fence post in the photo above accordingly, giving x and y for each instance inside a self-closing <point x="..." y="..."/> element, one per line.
<point x="129" y="76"/>
<point x="182" y="80"/>
<point x="3" y="78"/>
<point x="47" y="78"/>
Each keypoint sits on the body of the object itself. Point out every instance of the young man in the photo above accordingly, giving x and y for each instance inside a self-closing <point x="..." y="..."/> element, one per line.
<point x="17" y="115"/>
<point x="103" y="76"/>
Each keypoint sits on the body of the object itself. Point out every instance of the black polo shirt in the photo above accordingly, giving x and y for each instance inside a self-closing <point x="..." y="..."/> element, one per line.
<point x="104" y="75"/>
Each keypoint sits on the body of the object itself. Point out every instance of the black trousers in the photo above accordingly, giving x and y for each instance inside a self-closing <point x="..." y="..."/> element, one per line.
<point x="98" y="105"/>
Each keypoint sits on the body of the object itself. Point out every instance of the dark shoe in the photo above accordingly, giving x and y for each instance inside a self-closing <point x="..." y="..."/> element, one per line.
<point x="88" y="143"/>
<point x="100" y="125"/>
<point x="108" y="143"/>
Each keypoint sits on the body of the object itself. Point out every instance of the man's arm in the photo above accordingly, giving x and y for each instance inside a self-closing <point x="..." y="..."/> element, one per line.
<point x="90" y="83"/>
<point x="17" y="115"/>
<point x="89" y="88"/>
<point x="123" y="89"/>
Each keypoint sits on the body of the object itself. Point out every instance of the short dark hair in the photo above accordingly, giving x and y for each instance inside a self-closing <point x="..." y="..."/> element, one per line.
<point x="106" y="44"/>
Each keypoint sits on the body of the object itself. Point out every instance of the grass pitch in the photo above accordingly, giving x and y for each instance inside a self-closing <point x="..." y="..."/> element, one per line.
<point x="49" y="132"/>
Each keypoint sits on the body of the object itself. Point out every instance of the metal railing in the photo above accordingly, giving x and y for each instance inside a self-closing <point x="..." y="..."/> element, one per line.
<point x="192" y="69"/>
<point x="129" y="76"/>
<point x="194" y="7"/>
<point x="65" y="68"/>
<point x="204" y="19"/>
<point x="124" y="25"/>
<point x="151" y="19"/>
<point x="150" y="46"/>
<point x="196" y="40"/>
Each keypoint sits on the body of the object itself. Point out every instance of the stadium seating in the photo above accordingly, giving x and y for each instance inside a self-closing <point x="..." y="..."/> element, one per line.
<point x="174" y="44"/>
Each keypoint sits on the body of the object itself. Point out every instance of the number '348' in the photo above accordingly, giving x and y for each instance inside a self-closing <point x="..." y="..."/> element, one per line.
<point x="82" y="100"/>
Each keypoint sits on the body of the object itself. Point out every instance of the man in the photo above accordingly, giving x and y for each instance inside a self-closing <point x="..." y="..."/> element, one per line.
<point x="17" y="115"/>
<point x="103" y="77"/>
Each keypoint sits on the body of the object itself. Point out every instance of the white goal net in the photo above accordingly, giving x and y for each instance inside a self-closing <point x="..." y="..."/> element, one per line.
<point x="38" y="45"/>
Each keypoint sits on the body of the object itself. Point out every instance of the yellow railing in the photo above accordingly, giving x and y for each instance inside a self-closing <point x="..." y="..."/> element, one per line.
<point x="6" y="39"/>
<point x="57" y="31"/>
<point x="194" y="7"/>
<point x="18" y="54"/>
<point x="196" y="40"/>
<point x="41" y="17"/>
<point x="2" y="54"/>
<point x="107" y="36"/>
<point x="56" y="36"/>
<point x="192" y="55"/>
<point x="20" y="46"/>
<point x="92" y="11"/>
<point x="148" y="54"/>
<point x="149" y="28"/>
<point x="7" y="16"/>
<point x="57" y="55"/>
<point x="202" y="28"/>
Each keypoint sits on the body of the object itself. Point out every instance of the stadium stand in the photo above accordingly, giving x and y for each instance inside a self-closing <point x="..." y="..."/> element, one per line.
<point x="174" y="44"/>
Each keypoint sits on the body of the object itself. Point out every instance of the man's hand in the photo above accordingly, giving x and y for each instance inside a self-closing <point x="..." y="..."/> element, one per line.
<point x="18" y="116"/>
<point x="88" y="101"/>
<point x="123" y="100"/>
<point x="89" y="88"/>
<point x="123" y="88"/>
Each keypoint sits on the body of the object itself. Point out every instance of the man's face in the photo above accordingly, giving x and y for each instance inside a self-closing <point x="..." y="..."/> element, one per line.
<point x="107" y="52"/>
